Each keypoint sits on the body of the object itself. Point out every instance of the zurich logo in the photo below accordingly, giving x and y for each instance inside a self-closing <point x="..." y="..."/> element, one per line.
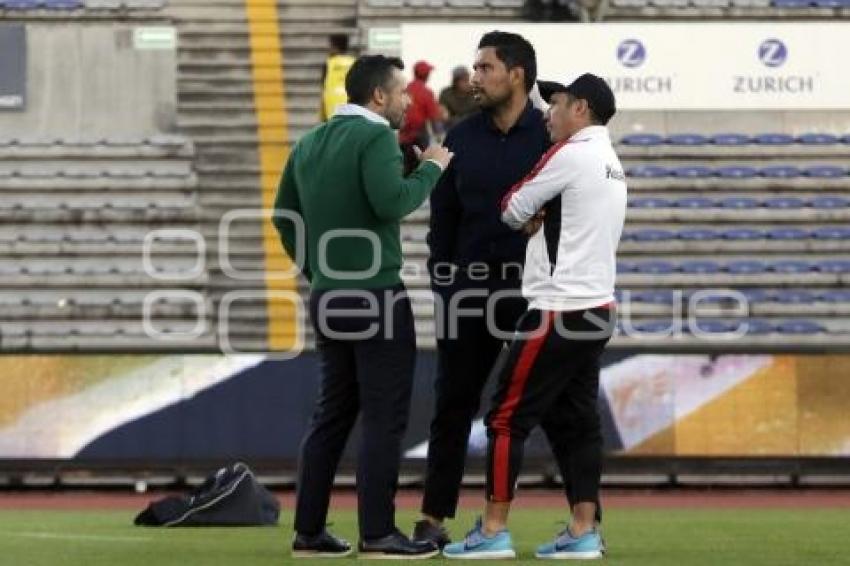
<point x="773" y="52"/>
<point x="631" y="53"/>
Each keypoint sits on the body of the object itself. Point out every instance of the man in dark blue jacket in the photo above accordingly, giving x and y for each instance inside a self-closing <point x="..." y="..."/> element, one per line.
<point x="475" y="257"/>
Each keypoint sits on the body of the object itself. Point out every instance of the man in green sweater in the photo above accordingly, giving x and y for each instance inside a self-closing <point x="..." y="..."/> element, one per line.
<point x="343" y="180"/>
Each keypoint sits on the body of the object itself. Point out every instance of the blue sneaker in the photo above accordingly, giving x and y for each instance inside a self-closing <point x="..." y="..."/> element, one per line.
<point x="477" y="545"/>
<point x="567" y="547"/>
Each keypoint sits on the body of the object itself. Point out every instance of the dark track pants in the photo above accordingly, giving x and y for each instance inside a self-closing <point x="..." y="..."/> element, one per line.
<point x="367" y="376"/>
<point x="550" y="377"/>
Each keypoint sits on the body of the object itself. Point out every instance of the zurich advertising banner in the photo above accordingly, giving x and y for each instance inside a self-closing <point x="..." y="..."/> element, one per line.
<point x="669" y="66"/>
<point x="13" y="66"/>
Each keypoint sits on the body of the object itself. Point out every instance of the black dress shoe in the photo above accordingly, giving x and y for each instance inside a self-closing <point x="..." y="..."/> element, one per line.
<point x="427" y="531"/>
<point x="322" y="545"/>
<point x="396" y="545"/>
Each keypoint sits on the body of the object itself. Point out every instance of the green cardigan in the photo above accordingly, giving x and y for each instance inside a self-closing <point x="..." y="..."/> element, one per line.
<point x="346" y="175"/>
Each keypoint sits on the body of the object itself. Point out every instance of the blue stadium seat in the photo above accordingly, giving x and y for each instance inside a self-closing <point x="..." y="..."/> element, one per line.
<point x="652" y="235"/>
<point x="794" y="297"/>
<point x="780" y="172"/>
<point x="834" y="296"/>
<point x="691" y="171"/>
<point x="832" y="233"/>
<point x="698" y="235"/>
<point x="63" y="4"/>
<point x="687" y="139"/>
<point x="743" y="234"/>
<point x="654" y="297"/>
<point x="833" y="266"/>
<point x="829" y="202"/>
<point x="832" y="3"/>
<point x="825" y="171"/>
<point x="731" y="139"/>
<point x="711" y="326"/>
<point x="646" y="140"/>
<point x="648" y="172"/>
<point x="656" y="267"/>
<point x="736" y="172"/>
<point x="845" y="138"/>
<point x="792" y="3"/>
<point x="746" y="267"/>
<point x="755" y="326"/>
<point x="700" y="267"/>
<point x="657" y="326"/>
<point x="22" y="4"/>
<point x="774" y="139"/>
<point x="650" y="202"/>
<point x="788" y="234"/>
<point x="739" y="203"/>
<point x="785" y="203"/>
<point x="818" y="139"/>
<point x="624" y="267"/>
<point x="790" y="266"/>
<point x="756" y="295"/>
<point x="799" y="327"/>
<point x="695" y="203"/>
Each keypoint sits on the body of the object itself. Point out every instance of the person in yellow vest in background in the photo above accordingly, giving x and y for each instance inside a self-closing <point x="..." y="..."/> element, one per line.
<point x="333" y="76"/>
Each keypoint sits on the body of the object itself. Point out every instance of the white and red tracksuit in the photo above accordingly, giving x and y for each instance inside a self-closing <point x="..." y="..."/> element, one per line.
<point x="550" y="374"/>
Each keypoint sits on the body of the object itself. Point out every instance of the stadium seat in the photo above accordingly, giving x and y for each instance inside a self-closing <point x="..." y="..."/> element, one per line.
<point x="794" y="297"/>
<point x="642" y="140"/>
<point x="825" y="171"/>
<point x="832" y="233"/>
<point x="650" y="202"/>
<point x="103" y="4"/>
<point x="833" y="266"/>
<point x="630" y="3"/>
<point x="774" y="139"/>
<point x="845" y="138"/>
<point x="653" y="235"/>
<point x="739" y="203"/>
<point x="38" y="141"/>
<point x="507" y="3"/>
<point x="787" y="234"/>
<point x="711" y="326"/>
<point x="790" y="266"/>
<point x="731" y="139"/>
<point x="755" y="326"/>
<point x="746" y="267"/>
<point x="623" y="267"/>
<point x="832" y="3"/>
<point x="698" y="235"/>
<point x="755" y="295"/>
<point x="654" y="297"/>
<point x="695" y="203"/>
<point x="817" y="139"/>
<point x="799" y="327"/>
<point x="736" y="172"/>
<point x="657" y="326"/>
<point x="829" y="202"/>
<point x="780" y="172"/>
<point x="700" y="267"/>
<point x="692" y="172"/>
<point x="784" y="203"/>
<point x="22" y="4"/>
<point x="792" y="3"/>
<point x="710" y="3"/>
<point x="648" y="172"/>
<point x="687" y="139"/>
<point x="655" y="267"/>
<point x="834" y="296"/>
<point x="80" y="171"/>
<point x="743" y="234"/>
<point x="63" y="4"/>
<point x="670" y="3"/>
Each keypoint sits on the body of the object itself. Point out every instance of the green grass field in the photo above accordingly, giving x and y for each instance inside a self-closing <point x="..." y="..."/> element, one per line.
<point x="635" y="537"/>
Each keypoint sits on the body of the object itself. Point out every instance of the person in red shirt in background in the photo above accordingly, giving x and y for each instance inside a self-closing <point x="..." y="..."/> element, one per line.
<point x="423" y="110"/>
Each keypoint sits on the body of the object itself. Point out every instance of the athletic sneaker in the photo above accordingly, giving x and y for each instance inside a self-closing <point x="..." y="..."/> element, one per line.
<point x="478" y="545"/>
<point x="567" y="547"/>
<point x="322" y="545"/>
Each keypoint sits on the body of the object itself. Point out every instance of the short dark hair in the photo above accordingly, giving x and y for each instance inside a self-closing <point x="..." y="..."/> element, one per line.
<point x="339" y="41"/>
<point x="368" y="73"/>
<point x="514" y="51"/>
<point x="594" y="119"/>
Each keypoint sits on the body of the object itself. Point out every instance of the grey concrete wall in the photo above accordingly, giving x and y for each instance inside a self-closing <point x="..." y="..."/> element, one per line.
<point x="88" y="80"/>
